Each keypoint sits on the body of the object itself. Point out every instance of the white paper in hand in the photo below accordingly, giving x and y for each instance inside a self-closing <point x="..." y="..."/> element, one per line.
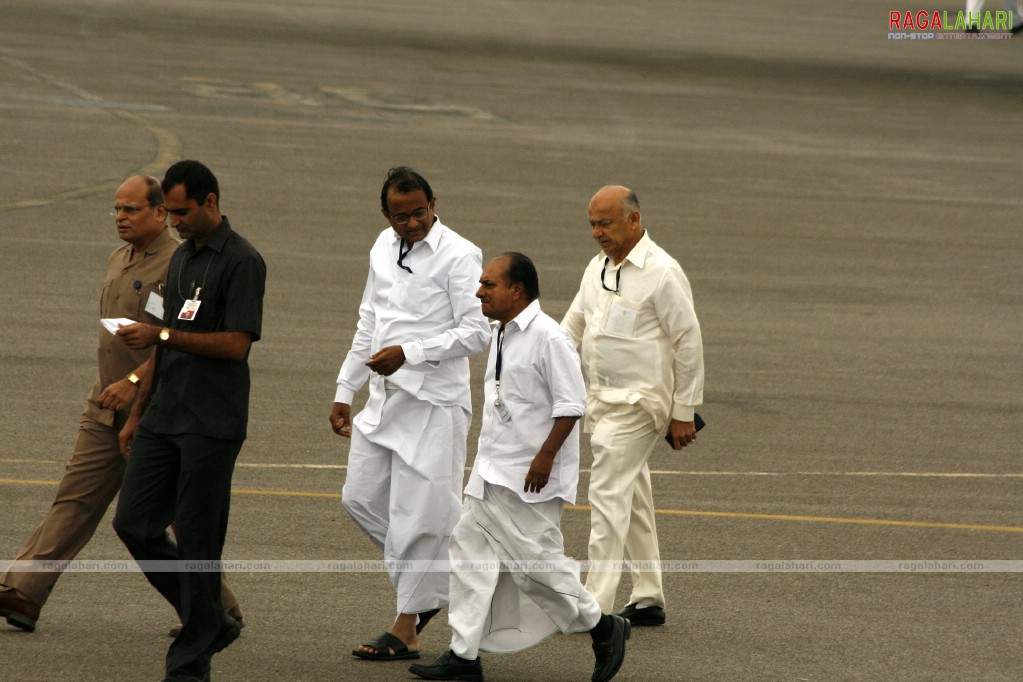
<point x="112" y="324"/>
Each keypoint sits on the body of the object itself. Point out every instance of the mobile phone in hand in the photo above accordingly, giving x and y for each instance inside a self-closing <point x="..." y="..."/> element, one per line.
<point x="697" y="422"/>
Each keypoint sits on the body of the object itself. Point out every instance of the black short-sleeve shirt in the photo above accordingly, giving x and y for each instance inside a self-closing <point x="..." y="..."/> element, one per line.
<point x="192" y="394"/>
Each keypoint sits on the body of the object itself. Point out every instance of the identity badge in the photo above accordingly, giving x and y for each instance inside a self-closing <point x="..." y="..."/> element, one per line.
<point x="502" y="410"/>
<point x="189" y="309"/>
<point x="154" y="306"/>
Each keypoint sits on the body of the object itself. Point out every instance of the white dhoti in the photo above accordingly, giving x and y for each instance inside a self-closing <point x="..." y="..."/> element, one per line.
<point x="500" y="603"/>
<point x="622" y="520"/>
<point x="403" y="489"/>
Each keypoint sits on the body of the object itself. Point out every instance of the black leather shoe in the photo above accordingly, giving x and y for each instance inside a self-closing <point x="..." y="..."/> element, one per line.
<point x="19" y="612"/>
<point x="610" y="653"/>
<point x="448" y="666"/>
<point x="228" y="633"/>
<point x="186" y="678"/>
<point x="650" y="615"/>
<point x="234" y="612"/>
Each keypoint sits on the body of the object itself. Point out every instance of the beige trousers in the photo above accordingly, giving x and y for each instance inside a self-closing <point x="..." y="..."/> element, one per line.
<point x="622" y="524"/>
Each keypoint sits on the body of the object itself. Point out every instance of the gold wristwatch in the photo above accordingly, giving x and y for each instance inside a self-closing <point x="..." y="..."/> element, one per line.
<point x="165" y="335"/>
<point x="135" y="379"/>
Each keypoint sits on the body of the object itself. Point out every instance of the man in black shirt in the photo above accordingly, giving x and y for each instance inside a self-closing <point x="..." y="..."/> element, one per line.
<point x="188" y="425"/>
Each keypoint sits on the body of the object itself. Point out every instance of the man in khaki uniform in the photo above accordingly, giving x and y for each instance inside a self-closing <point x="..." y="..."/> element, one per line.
<point x="133" y="289"/>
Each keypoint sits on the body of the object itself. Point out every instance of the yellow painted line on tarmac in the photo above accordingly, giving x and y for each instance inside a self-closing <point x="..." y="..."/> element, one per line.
<point x="667" y="512"/>
<point x="278" y="493"/>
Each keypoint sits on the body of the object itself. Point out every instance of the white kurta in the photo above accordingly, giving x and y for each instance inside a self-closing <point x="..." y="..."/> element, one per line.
<point x="540" y="380"/>
<point x="432" y="313"/>
<point x="641" y="346"/>
<point x="408" y="443"/>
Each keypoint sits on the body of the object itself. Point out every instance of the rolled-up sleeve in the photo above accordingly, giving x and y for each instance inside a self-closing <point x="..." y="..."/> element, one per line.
<point x="564" y="378"/>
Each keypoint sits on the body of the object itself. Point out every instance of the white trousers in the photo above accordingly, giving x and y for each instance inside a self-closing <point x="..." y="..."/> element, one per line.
<point x="403" y="489"/>
<point x="622" y="524"/>
<point x="497" y="603"/>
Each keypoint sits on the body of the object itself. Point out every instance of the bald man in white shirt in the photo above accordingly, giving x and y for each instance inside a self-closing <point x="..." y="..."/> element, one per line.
<point x="642" y="356"/>
<point x="511" y="584"/>
<point x="419" y="321"/>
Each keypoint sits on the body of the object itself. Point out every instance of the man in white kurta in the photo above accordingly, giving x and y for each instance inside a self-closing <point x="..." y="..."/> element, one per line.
<point x="642" y="357"/>
<point x="418" y="323"/>
<point x="511" y="584"/>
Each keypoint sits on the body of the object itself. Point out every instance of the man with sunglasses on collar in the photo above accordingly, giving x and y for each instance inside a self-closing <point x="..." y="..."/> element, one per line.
<point x="642" y="355"/>
<point x="419" y="321"/>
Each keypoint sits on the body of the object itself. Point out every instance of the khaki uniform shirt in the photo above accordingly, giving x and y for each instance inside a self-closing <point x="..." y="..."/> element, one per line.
<point x="122" y="298"/>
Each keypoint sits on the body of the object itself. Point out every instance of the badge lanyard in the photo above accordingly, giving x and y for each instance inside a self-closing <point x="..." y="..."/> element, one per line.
<point x="497" y="365"/>
<point x="502" y="409"/>
<point x="191" y="306"/>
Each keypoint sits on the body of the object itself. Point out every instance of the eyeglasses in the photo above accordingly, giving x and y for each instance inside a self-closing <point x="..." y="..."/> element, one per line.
<point x="402" y="219"/>
<point x="128" y="209"/>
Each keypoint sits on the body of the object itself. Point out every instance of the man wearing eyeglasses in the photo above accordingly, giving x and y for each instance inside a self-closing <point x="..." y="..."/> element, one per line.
<point x="419" y="321"/>
<point x="189" y="423"/>
<point x="133" y="288"/>
<point x="642" y="355"/>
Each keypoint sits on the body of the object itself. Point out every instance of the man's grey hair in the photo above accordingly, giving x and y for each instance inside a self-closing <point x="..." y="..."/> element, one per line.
<point x="630" y="203"/>
<point x="154" y="193"/>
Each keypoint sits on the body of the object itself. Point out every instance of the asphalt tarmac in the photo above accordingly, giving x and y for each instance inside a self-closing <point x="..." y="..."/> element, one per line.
<point x="846" y="206"/>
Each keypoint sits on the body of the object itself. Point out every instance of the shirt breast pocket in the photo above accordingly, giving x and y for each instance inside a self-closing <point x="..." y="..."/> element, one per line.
<point x="418" y="294"/>
<point x="519" y="383"/>
<point x="621" y="319"/>
<point x="150" y="304"/>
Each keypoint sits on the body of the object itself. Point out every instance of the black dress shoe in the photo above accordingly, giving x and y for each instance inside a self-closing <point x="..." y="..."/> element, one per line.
<point x="234" y="612"/>
<point x="610" y="653"/>
<point x="448" y="666"/>
<point x="648" y="615"/>
<point x="18" y="611"/>
<point x="186" y="678"/>
<point x="229" y="632"/>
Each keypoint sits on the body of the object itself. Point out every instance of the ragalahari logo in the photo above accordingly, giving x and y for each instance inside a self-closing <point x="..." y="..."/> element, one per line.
<point x="945" y="25"/>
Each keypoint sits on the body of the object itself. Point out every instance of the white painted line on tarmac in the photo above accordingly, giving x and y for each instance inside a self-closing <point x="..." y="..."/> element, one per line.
<point x="658" y="472"/>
